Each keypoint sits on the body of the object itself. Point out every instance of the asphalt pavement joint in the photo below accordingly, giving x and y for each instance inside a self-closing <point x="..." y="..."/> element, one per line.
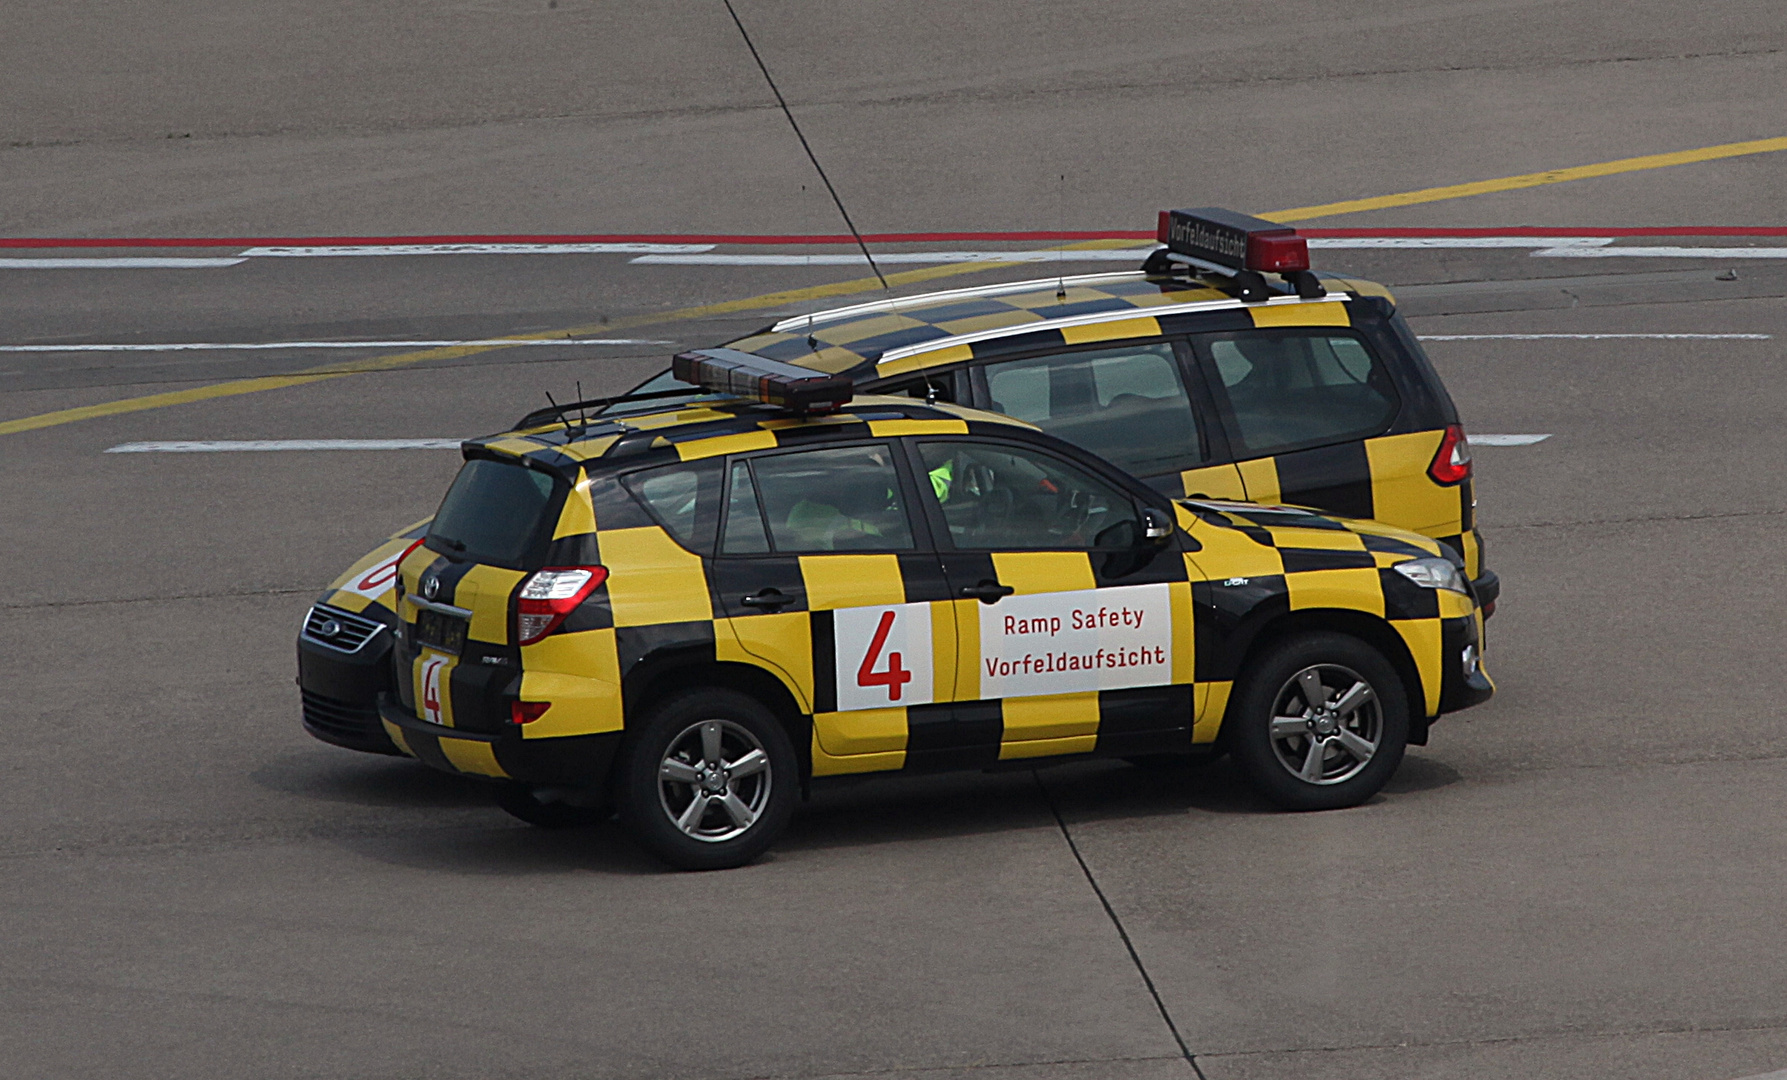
<point x="1117" y="922"/>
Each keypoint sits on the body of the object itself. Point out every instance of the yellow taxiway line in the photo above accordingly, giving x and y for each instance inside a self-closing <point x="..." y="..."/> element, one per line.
<point x="862" y="285"/>
<point x="1529" y="180"/>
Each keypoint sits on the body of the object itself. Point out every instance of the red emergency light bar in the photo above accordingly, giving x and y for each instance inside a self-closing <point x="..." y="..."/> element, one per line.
<point x="730" y="371"/>
<point x="1235" y="241"/>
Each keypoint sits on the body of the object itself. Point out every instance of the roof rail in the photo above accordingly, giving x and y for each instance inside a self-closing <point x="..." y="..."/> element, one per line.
<point x="801" y="322"/>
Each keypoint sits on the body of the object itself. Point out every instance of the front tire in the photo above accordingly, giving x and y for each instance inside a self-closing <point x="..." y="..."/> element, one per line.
<point x="709" y="781"/>
<point x="1319" y="722"/>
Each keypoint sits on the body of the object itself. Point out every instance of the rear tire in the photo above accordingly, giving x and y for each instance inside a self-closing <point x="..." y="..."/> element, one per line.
<point x="1305" y="754"/>
<point x="709" y="780"/>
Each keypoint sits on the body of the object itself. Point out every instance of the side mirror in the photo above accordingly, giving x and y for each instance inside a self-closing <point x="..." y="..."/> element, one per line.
<point x="1156" y="526"/>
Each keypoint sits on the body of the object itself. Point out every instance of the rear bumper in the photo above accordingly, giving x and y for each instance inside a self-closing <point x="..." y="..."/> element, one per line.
<point x="1488" y="587"/>
<point x="340" y="693"/>
<point x="579" y="761"/>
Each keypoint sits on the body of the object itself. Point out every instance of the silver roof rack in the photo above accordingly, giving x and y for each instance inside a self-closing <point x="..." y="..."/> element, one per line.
<point x="1096" y="317"/>
<point x="801" y="322"/>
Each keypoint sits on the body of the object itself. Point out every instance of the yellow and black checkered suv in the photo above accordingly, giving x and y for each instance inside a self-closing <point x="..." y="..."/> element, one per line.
<point x="693" y="613"/>
<point x="1193" y="373"/>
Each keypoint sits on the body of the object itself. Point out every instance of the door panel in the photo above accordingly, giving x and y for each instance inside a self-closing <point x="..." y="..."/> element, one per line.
<point x="1213" y="482"/>
<point x="869" y="636"/>
<point x="1336" y="479"/>
<point x="1070" y="659"/>
<point x="1404" y="494"/>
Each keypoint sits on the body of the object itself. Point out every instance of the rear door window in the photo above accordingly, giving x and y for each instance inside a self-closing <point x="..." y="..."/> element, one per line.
<point x="1128" y="405"/>
<point x="685" y="499"/>
<point x="1280" y="390"/>
<point x="496" y="513"/>
<point x="845" y="498"/>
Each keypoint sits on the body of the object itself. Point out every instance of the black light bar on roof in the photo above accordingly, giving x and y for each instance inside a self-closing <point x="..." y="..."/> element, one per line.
<point x="1243" y="246"/>
<point x="1236" y="241"/>
<point x="730" y="371"/>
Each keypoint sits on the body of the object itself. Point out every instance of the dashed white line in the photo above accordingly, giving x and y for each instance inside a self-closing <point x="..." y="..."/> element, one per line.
<point x="1508" y="440"/>
<point x="1596" y="337"/>
<point x="118" y="264"/>
<point x="1574" y="252"/>
<point x="1367" y="243"/>
<point x="245" y="346"/>
<point x="328" y="252"/>
<point x="261" y="445"/>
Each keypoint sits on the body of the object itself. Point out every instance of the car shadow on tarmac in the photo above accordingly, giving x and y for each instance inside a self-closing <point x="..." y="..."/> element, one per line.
<point x="476" y="838"/>
<point x="337" y="776"/>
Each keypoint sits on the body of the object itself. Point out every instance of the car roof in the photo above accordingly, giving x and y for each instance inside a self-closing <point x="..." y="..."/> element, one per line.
<point x="725" y="425"/>
<point x="890" y="337"/>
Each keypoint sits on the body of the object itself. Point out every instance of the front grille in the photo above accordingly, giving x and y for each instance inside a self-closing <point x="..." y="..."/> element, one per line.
<point x="345" y="723"/>
<point x="340" y="630"/>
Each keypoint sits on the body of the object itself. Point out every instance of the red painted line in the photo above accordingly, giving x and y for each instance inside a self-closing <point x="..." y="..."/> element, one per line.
<point x="843" y="238"/>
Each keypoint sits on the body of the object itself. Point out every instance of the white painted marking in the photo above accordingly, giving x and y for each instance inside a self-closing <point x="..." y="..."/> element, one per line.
<point x="219" y="346"/>
<point x="117" y="264"/>
<point x="1361" y="243"/>
<point x="1076" y="641"/>
<point x="1596" y="337"/>
<point x="1031" y="256"/>
<point x="1662" y="253"/>
<point x="1507" y="440"/>
<point x="229" y="446"/>
<point x="882" y="656"/>
<point x="326" y="252"/>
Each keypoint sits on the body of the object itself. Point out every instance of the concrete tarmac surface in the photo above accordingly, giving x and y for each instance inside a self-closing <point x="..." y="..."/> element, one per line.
<point x="1581" y="879"/>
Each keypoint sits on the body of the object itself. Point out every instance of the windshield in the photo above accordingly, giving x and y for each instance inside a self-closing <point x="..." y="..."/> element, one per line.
<point x="496" y="513"/>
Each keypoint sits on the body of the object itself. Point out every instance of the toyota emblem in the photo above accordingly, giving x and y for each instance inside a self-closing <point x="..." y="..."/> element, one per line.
<point x="431" y="588"/>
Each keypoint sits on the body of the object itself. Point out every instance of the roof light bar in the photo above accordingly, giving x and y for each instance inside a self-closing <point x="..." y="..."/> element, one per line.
<point x="1232" y="240"/>
<point x="730" y="371"/>
<point x="1241" y="247"/>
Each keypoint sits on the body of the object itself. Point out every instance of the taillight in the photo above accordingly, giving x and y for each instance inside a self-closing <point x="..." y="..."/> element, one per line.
<point x="549" y="595"/>
<point x="526" y="712"/>
<point x="1452" y="462"/>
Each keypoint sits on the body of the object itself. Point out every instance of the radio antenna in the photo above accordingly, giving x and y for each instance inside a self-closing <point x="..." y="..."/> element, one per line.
<point x="804" y="145"/>
<point x="1060" y="253"/>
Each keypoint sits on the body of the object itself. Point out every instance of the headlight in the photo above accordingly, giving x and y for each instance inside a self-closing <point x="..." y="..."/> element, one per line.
<point x="1433" y="574"/>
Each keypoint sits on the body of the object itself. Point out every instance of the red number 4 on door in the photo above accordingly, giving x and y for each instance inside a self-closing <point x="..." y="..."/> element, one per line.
<point x="883" y="656"/>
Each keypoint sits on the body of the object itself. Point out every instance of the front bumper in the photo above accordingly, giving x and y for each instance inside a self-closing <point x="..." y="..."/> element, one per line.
<point x="340" y="693"/>
<point x="575" y="761"/>
<point x="1463" y="682"/>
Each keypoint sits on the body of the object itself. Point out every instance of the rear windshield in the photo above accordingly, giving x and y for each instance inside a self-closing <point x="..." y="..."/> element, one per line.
<point x="495" y="513"/>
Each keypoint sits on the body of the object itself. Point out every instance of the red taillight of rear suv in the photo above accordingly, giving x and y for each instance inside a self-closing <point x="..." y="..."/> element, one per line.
<point x="1452" y="462"/>
<point x="547" y="596"/>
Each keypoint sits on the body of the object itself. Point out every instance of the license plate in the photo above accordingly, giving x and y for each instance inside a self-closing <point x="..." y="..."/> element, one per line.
<point x="443" y="632"/>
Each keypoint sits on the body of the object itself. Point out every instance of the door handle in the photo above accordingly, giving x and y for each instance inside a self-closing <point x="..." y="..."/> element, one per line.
<point x="768" y="600"/>
<point x="988" y="592"/>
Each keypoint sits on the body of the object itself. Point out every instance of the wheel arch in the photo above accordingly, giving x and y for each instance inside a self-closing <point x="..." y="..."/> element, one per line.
<point x="660" y="681"/>
<point x="1371" y="629"/>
